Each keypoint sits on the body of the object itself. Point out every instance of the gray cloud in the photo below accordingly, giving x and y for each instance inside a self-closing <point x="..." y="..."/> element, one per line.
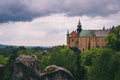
<point x="50" y="30"/>
<point x="26" y="10"/>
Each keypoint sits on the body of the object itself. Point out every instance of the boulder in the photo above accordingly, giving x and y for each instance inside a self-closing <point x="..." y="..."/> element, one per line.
<point x="27" y="68"/>
<point x="54" y="72"/>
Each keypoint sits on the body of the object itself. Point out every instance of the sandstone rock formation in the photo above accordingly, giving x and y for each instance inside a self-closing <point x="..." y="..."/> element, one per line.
<point x="54" y="72"/>
<point x="27" y="68"/>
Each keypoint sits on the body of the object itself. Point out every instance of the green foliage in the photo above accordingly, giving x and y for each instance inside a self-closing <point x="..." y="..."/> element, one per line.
<point x="8" y="71"/>
<point x="79" y="71"/>
<point x="7" y="51"/>
<point x="7" y="74"/>
<point x="89" y="57"/>
<point x="59" y="56"/>
<point x="97" y="63"/>
<point x="117" y="76"/>
<point x="106" y="65"/>
<point x="64" y="57"/>
<point x="3" y="60"/>
<point x="113" y="39"/>
<point x="23" y="50"/>
<point x="102" y="64"/>
<point x="117" y="31"/>
<point x="38" y="54"/>
<point x="44" y="61"/>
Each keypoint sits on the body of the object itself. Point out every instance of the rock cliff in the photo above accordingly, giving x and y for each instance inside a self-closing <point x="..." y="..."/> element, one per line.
<point x="27" y="68"/>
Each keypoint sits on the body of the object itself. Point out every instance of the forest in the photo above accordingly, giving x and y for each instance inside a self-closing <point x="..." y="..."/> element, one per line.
<point x="94" y="64"/>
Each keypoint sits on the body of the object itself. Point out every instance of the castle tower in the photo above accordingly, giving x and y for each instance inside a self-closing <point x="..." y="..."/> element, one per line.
<point x="79" y="28"/>
<point x="68" y="39"/>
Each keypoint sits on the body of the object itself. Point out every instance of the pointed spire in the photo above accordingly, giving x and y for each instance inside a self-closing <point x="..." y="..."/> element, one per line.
<point x="67" y="31"/>
<point x="79" y="27"/>
<point x="79" y="23"/>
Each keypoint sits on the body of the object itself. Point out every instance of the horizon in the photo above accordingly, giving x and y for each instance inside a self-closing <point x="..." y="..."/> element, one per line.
<point x="45" y="23"/>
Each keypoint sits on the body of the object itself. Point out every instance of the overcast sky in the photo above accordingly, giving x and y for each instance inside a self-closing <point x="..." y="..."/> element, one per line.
<point x="45" y="22"/>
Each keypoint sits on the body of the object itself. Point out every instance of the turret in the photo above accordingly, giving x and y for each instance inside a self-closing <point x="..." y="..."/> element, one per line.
<point x="68" y="39"/>
<point x="79" y="28"/>
<point x="67" y="31"/>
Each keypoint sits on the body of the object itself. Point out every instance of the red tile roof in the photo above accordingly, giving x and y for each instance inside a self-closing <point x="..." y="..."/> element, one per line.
<point x="73" y="34"/>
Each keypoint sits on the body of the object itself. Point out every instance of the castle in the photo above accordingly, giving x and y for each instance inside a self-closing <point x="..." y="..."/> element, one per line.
<point x="86" y="39"/>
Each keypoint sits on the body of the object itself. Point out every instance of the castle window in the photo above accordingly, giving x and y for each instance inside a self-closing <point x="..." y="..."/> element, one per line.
<point x="83" y="49"/>
<point x="77" y="43"/>
<point x="72" y="40"/>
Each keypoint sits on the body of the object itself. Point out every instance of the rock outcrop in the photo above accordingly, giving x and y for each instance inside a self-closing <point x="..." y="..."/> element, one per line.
<point x="27" y="68"/>
<point x="54" y="72"/>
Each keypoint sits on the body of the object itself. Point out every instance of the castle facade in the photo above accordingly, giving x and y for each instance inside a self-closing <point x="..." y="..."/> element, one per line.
<point x="86" y="39"/>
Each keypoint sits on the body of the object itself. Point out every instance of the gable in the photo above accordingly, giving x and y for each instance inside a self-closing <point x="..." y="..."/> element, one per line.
<point x="73" y="34"/>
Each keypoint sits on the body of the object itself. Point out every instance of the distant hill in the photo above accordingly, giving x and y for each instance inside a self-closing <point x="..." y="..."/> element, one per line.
<point x="4" y="46"/>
